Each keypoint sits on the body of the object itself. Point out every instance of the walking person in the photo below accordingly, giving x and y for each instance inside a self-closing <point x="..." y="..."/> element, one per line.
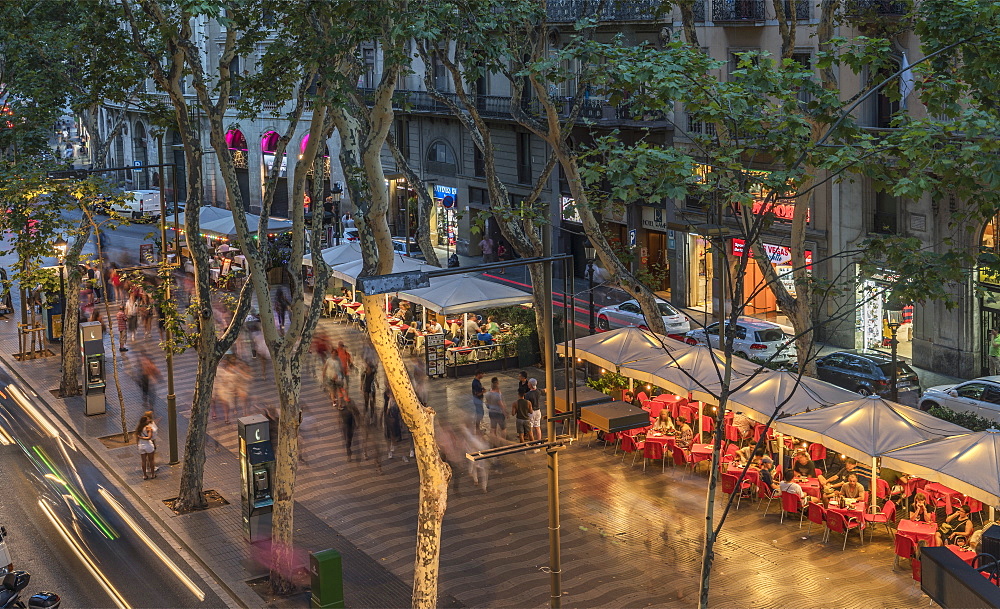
<point x="146" y="314"/>
<point x="333" y="378"/>
<point x="122" y="318"/>
<point x="535" y="397"/>
<point x="496" y="409"/>
<point x="281" y="304"/>
<point x="155" y="436"/>
<point x="368" y="391"/>
<point x="393" y="425"/>
<point x="994" y="351"/>
<point x="486" y="246"/>
<point x="478" y="391"/>
<point x="144" y="440"/>
<point x="149" y="375"/>
<point x="346" y="363"/>
<point x="522" y="416"/>
<point x="132" y="311"/>
<point x="348" y="423"/>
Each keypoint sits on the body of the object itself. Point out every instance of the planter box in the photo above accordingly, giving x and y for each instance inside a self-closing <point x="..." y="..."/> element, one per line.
<point x="491" y="365"/>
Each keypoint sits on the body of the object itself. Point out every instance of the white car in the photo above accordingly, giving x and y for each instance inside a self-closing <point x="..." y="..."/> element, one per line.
<point x="755" y="340"/>
<point x="139" y="204"/>
<point x="979" y="396"/>
<point x="629" y="313"/>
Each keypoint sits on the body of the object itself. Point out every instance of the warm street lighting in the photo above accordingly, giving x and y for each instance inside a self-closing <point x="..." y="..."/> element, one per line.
<point x="61" y="246"/>
<point x="893" y="316"/>
<point x="591" y="253"/>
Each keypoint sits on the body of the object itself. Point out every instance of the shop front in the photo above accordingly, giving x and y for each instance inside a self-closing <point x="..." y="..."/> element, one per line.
<point x="988" y="282"/>
<point x="762" y="302"/>
<point x="872" y="327"/>
<point x="444" y="223"/>
<point x="654" y="252"/>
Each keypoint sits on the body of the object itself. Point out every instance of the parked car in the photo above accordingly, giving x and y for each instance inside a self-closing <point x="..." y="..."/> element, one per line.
<point x="137" y="204"/>
<point x="755" y="339"/>
<point x="407" y="247"/>
<point x="629" y="313"/>
<point x="350" y="234"/>
<point x="979" y="396"/>
<point x="866" y="372"/>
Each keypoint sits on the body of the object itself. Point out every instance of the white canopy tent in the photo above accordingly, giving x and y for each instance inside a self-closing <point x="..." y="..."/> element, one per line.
<point x="867" y="428"/>
<point x="686" y="371"/>
<point x="779" y="389"/>
<point x="968" y="463"/>
<point x="622" y="346"/>
<point x="219" y="222"/>
<point x="339" y="254"/>
<point x="349" y="271"/>
<point x="454" y="294"/>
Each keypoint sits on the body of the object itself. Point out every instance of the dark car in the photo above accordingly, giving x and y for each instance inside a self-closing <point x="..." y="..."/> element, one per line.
<point x="866" y="372"/>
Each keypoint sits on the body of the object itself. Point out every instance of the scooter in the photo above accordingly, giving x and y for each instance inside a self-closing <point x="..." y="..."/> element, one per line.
<point x="10" y="593"/>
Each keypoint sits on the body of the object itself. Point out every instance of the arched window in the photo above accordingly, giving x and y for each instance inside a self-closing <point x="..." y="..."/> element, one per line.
<point x="269" y="143"/>
<point x="441" y="159"/>
<point x="235" y="140"/>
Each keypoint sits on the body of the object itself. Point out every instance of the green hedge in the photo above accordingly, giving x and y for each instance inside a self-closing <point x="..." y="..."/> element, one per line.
<point x="967" y="420"/>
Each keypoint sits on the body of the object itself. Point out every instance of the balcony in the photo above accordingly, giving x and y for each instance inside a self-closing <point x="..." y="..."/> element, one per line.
<point x="802" y="9"/>
<point x="738" y="11"/>
<point x="877" y="8"/>
<point x="570" y="11"/>
<point x="699" y="11"/>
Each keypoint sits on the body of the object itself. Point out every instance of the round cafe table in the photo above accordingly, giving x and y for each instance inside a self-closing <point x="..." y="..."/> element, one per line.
<point x="668" y="442"/>
<point x="753" y="474"/>
<point x="701" y="452"/>
<point x="918" y="531"/>
<point x="810" y="487"/>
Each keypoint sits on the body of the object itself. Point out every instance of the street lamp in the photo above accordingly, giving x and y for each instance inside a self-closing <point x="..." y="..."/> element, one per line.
<point x="591" y="253"/>
<point x="893" y="317"/>
<point x="61" y="247"/>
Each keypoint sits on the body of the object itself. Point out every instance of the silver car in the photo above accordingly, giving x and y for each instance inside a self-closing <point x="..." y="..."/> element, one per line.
<point x="629" y="313"/>
<point x="979" y="396"/>
<point x="755" y="340"/>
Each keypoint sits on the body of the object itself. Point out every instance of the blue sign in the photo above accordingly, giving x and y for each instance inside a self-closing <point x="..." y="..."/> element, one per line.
<point x="137" y="163"/>
<point x="631" y="238"/>
<point x="448" y="195"/>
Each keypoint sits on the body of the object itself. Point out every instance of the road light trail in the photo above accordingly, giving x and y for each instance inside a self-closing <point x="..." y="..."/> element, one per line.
<point x="99" y="575"/>
<point x="35" y="415"/>
<point x="117" y="507"/>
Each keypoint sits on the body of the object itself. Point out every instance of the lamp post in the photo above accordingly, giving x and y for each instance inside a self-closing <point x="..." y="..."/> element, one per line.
<point x="893" y="316"/>
<point x="591" y="253"/>
<point x="61" y="247"/>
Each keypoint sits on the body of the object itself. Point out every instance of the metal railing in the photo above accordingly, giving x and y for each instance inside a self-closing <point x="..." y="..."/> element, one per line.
<point x="803" y="9"/>
<point x="737" y="10"/>
<point x="858" y="8"/>
<point x="700" y="10"/>
<point x="570" y="11"/>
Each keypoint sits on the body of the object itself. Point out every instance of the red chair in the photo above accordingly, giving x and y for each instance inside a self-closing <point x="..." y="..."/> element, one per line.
<point x="816" y="514"/>
<point x="631" y="445"/>
<point x="887" y="515"/>
<point x="729" y="486"/>
<point x="766" y="492"/>
<point x="905" y="547"/>
<point x="683" y="459"/>
<point x="818" y="472"/>
<point x="612" y="438"/>
<point x="642" y="396"/>
<point x="758" y="431"/>
<point x="817" y="452"/>
<point x="655" y="408"/>
<point x="882" y="489"/>
<point x="792" y="504"/>
<point x="645" y="405"/>
<point x="654" y="450"/>
<point x="838" y="523"/>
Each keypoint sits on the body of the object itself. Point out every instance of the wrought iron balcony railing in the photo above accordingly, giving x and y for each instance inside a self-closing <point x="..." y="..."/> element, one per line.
<point x="570" y="11"/>
<point x="737" y="10"/>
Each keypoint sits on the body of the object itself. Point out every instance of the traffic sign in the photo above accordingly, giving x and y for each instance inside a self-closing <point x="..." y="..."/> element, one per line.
<point x="631" y="238"/>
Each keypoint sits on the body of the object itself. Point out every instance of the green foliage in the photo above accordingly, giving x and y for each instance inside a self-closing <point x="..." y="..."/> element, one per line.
<point x="968" y="420"/>
<point x="608" y="383"/>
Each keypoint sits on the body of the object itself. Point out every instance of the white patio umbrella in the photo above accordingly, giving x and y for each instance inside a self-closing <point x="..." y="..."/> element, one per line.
<point x="349" y="271"/>
<point x="618" y="347"/>
<point x="967" y="462"/>
<point x="867" y="428"/>
<point x="454" y="294"/>
<point x="779" y="389"/>
<point x="338" y="254"/>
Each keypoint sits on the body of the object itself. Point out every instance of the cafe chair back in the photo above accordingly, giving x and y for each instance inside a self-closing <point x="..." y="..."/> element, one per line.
<point x="887" y="515"/>
<point x="790" y="503"/>
<point x="631" y="445"/>
<point x="682" y="459"/>
<point x="766" y="492"/>
<point x="838" y="523"/>
<point x="904" y="548"/>
<point x="730" y="484"/>
<point x="654" y="450"/>
<point x="816" y="514"/>
<point x="817" y="452"/>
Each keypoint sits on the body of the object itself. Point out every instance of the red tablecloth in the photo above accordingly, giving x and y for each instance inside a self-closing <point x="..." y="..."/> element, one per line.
<point x="753" y="474"/>
<point x="918" y="531"/>
<point x="701" y="452"/>
<point x="668" y="441"/>
<point x="810" y="487"/>
<point x="966" y="555"/>
<point x="857" y="512"/>
<point x="944" y="491"/>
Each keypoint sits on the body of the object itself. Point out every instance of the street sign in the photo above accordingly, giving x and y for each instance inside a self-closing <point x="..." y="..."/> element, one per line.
<point x="396" y="282"/>
<point x="631" y="238"/>
<point x="137" y="163"/>
<point x="448" y="195"/>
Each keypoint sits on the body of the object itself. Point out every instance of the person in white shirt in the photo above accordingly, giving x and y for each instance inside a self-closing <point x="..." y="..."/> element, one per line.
<point x="787" y="486"/>
<point x="433" y="327"/>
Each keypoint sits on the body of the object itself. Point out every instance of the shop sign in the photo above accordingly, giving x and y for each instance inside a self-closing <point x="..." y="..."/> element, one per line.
<point x="777" y="254"/>
<point x="653" y="218"/>
<point x="448" y="195"/>
<point x="569" y="212"/>
<point x="781" y="211"/>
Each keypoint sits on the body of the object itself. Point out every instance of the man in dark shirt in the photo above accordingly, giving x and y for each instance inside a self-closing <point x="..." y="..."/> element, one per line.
<point x="478" y="391"/>
<point x="767" y="471"/>
<point x="522" y="414"/>
<point x="522" y="384"/>
<point x="851" y="466"/>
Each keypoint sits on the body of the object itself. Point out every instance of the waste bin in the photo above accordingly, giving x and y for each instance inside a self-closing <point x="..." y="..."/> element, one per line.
<point x="327" y="579"/>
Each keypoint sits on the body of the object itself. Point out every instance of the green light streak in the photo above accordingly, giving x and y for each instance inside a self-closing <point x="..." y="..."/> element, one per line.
<point x="91" y="514"/>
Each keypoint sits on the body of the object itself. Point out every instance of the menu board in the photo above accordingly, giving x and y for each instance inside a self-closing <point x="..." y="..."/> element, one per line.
<point x="435" y="354"/>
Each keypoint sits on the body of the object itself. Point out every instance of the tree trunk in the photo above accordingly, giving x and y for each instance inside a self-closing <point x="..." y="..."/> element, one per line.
<point x="69" y="382"/>
<point x="285" y="470"/>
<point x="424" y="203"/>
<point x="687" y="22"/>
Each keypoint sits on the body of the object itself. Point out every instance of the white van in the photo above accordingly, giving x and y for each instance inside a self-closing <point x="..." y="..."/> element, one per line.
<point x="140" y="204"/>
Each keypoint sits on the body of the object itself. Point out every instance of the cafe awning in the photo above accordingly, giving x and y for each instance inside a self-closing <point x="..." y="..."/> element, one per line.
<point x="455" y="294"/>
<point x="866" y="428"/>
<point x="689" y="371"/>
<point x="219" y="222"/>
<point x="344" y="253"/>
<point x="349" y="272"/>
<point x="779" y="390"/>
<point x="968" y="462"/>
<point x="618" y="347"/>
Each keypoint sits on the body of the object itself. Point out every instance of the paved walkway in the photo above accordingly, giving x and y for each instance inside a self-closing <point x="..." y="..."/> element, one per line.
<point x="630" y="538"/>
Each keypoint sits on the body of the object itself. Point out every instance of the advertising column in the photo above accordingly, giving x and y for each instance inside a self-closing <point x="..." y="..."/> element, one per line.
<point x="447" y="224"/>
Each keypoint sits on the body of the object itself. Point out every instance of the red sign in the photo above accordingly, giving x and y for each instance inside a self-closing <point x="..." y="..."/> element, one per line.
<point x="778" y="254"/>
<point x="781" y="211"/>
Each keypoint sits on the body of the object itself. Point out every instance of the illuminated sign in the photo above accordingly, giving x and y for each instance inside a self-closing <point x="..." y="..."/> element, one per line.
<point x="777" y="254"/>
<point x="781" y="211"/>
<point x="989" y="277"/>
<point x="448" y="195"/>
<point x="569" y="211"/>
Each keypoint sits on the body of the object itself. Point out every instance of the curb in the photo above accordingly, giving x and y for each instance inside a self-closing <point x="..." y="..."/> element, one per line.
<point x="137" y="500"/>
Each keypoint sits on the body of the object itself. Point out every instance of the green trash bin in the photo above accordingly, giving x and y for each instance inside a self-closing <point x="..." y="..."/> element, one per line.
<point x="327" y="579"/>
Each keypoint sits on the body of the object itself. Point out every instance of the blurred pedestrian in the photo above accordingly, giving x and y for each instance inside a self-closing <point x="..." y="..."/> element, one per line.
<point x="333" y="378"/>
<point x="146" y="314"/>
<point x="241" y="386"/>
<point x="479" y="470"/>
<point x="346" y="363"/>
<point x="132" y="311"/>
<point x="368" y="374"/>
<point x="349" y="416"/>
<point x="149" y="376"/>
<point x="496" y="408"/>
<point x="223" y="387"/>
<point x="419" y="381"/>
<point x="281" y="305"/>
<point x="393" y="426"/>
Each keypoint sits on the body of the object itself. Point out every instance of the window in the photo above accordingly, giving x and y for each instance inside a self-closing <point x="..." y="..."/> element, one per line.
<point x="886" y="217"/>
<point x="441" y="76"/>
<point x="665" y="309"/>
<point x="479" y="198"/>
<point x="402" y="135"/>
<point x="835" y="360"/>
<point x="741" y="333"/>
<point x="628" y="307"/>
<point x="971" y="390"/>
<point x="441" y="160"/>
<point x="772" y="335"/>
<point x="885" y="108"/>
<point x="234" y="77"/>
<point x="804" y="60"/>
<point x="992" y="394"/>
<point x="524" y="158"/>
<point x="368" y="59"/>
<point x="478" y="162"/>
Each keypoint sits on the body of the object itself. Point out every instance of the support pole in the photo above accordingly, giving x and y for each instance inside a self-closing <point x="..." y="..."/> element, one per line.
<point x="555" y="558"/>
<point x="168" y="279"/>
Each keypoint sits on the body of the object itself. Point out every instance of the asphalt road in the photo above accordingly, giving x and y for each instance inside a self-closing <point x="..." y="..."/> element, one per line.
<point x="72" y="528"/>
